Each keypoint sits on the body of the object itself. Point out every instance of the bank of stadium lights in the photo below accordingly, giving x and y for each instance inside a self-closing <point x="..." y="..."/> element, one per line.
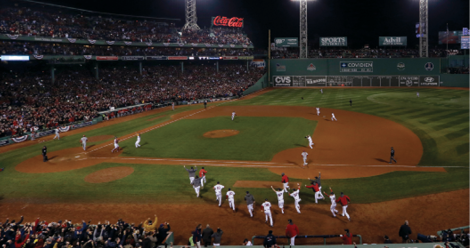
<point x="423" y="28"/>
<point x="303" y="34"/>
<point x="191" y="17"/>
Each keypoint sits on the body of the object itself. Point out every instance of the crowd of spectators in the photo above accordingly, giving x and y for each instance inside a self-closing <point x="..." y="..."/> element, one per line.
<point x="30" y="100"/>
<point x="56" y="23"/>
<point x="121" y="234"/>
<point x="37" y="48"/>
<point x="359" y="53"/>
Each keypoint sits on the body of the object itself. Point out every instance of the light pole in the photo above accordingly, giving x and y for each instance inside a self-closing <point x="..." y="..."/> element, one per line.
<point x="423" y="28"/>
<point x="303" y="35"/>
<point x="191" y="17"/>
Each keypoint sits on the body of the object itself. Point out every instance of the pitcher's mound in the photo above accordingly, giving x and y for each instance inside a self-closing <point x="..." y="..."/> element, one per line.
<point x="109" y="174"/>
<point x="221" y="133"/>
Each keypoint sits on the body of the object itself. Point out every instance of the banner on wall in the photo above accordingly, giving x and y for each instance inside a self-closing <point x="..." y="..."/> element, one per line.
<point x="333" y="41"/>
<point x="393" y="41"/>
<point x="20" y="139"/>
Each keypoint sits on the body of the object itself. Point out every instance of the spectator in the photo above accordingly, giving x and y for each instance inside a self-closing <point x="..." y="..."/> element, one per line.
<point x="162" y="233"/>
<point x="197" y="236"/>
<point x="292" y="231"/>
<point x="246" y="242"/>
<point x="207" y="235"/>
<point x="269" y="240"/>
<point x="150" y="226"/>
<point x="347" y="238"/>
<point x="217" y="236"/>
<point x="404" y="232"/>
<point x="387" y="240"/>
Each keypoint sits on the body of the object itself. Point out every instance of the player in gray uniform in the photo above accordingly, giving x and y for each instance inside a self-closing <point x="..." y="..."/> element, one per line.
<point x="317" y="180"/>
<point x="192" y="173"/>
<point x="83" y="140"/>
<point x="196" y="185"/>
<point x="250" y="200"/>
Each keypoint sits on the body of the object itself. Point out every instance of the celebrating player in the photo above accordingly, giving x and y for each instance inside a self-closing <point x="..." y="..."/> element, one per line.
<point x="280" y="198"/>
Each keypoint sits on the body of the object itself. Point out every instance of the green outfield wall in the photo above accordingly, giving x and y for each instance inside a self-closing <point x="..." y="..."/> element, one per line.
<point x="402" y="72"/>
<point x="262" y="83"/>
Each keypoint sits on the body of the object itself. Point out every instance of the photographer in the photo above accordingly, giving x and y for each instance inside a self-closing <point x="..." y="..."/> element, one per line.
<point x="404" y="232"/>
<point x="217" y="236"/>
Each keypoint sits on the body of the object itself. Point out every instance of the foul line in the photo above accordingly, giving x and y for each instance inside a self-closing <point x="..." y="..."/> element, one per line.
<point x="160" y="125"/>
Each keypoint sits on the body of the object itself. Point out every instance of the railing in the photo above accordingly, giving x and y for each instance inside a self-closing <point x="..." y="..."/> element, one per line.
<point x="324" y="237"/>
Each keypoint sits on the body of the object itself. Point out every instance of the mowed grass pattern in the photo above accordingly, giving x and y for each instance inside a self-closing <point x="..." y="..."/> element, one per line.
<point x="259" y="138"/>
<point x="439" y="117"/>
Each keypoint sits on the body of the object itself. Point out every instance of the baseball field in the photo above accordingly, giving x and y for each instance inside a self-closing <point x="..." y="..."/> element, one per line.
<point x="429" y="184"/>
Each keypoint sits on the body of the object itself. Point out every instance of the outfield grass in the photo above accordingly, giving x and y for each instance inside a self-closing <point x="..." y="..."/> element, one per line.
<point x="439" y="117"/>
<point x="170" y="184"/>
<point x="260" y="138"/>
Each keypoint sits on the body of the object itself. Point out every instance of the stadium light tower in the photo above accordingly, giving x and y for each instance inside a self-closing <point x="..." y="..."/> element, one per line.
<point x="191" y="17"/>
<point x="423" y="28"/>
<point x="303" y="35"/>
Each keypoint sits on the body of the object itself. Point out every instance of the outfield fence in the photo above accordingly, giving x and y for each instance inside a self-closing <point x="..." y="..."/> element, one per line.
<point x="324" y="237"/>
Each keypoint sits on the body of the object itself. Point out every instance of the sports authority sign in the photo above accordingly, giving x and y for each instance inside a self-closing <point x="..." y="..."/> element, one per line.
<point x="333" y="41"/>
<point x="356" y="66"/>
<point x="287" y="42"/>
<point x="234" y="22"/>
<point x="392" y="41"/>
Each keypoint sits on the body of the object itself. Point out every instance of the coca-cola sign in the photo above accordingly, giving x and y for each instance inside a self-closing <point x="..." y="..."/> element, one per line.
<point x="234" y="22"/>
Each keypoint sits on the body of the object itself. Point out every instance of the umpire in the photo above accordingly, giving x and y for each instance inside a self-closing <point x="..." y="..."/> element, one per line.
<point x="392" y="156"/>
<point x="44" y="154"/>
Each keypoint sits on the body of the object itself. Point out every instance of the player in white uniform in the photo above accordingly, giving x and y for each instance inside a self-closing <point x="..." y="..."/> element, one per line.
<point x="173" y="106"/>
<point x="295" y="195"/>
<point x="318" y="111"/>
<point x="310" y="142"/>
<point x="280" y="198"/>
<point x="266" y="208"/>
<point x="304" y="156"/>
<point x="333" y="202"/>
<point x="321" y="90"/>
<point x="57" y="135"/>
<point x="231" y="199"/>
<point x="83" y="140"/>
<point x="233" y="115"/>
<point x="137" y="143"/>
<point x="116" y="145"/>
<point x="218" y="192"/>
<point x="333" y="117"/>
<point x="417" y="94"/>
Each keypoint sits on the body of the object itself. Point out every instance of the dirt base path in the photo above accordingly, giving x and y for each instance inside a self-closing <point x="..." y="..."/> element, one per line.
<point x="426" y="214"/>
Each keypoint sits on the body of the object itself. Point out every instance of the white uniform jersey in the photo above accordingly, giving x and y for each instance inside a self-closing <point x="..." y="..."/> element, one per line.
<point x="333" y="199"/>
<point x="233" y="113"/>
<point x="266" y="206"/>
<point x="115" y="142"/>
<point x="304" y="155"/>
<point x="309" y="139"/>
<point x="295" y="195"/>
<point x="333" y="115"/>
<point x="84" y="139"/>
<point x="138" y="138"/>
<point x="230" y="194"/>
<point x="318" y="109"/>
<point x="56" y="131"/>
<point x="218" y="189"/>
<point x="280" y="195"/>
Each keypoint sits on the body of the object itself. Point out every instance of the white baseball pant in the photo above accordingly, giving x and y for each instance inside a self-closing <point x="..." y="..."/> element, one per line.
<point x="219" y="197"/>
<point x="310" y="144"/>
<point x="344" y="211"/>
<point x="333" y="118"/>
<point x="286" y="186"/>
<point x="191" y="179"/>
<point x="250" y="209"/>
<point x="231" y="203"/>
<point x="57" y="136"/>
<point x="318" y="195"/>
<point x="269" y="216"/>
<point x="137" y="144"/>
<point x="333" y="209"/>
<point x="292" y="240"/>
<point x="305" y="161"/>
<point x="297" y="206"/>
<point x="197" y="188"/>
<point x="84" y="146"/>
<point x="281" y="205"/>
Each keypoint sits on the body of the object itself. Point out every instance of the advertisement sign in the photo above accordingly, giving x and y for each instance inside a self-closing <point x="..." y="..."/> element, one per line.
<point x="132" y="57"/>
<point x="409" y="81"/>
<point x="392" y="41"/>
<point x="464" y="31"/>
<point x="315" y="81"/>
<point x="465" y="42"/>
<point x="355" y="66"/>
<point x="246" y="57"/>
<point x="452" y="37"/>
<point x="230" y="58"/>
<point x="4" y="142"/>
<point x="282" y="81"/>
<point x="107" y="58"/>
<point x="280" y="67"/>
<point x="286" y="42"/>
<point x="259" y="63"/>
<point x="14" y="58"/>
<point x="429" y="80"/>
<point x="234" y="22"/>
<point x="333" y="41"/>
<point x="156" y="57"/>
<point x="177" y="58"/>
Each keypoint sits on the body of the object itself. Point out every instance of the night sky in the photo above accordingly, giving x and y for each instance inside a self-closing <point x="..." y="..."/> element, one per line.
<point x="362" y="21"/>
